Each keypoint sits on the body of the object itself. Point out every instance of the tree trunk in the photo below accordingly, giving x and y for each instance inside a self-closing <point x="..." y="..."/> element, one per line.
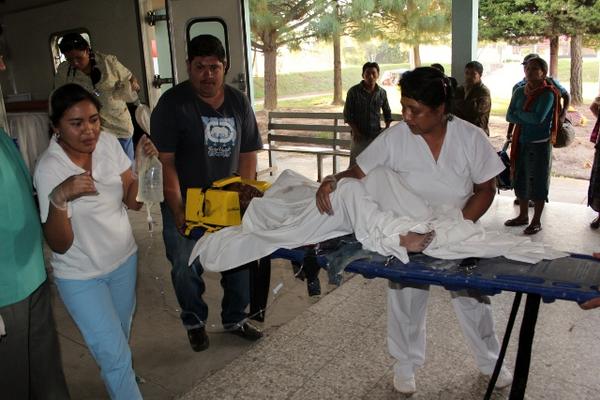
<point x="417" y="55"/>
<point x="553" y="56"/>
<point x="576" y="70"/>
<point x="337" y="70"/>
<point x="270" y="55"/>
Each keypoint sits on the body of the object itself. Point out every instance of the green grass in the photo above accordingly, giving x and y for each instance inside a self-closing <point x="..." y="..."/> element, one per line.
<point x="319" y="101"/>
<point x="315" y="81"/>
<point x="322" y="81"/>
<point x="499" y="107"/>
<point x="318" y="82"/>
<point x="589" y="70"/>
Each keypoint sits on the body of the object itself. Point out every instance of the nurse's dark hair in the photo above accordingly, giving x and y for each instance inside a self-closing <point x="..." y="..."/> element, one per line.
<point x="429" y="86"/>
<point x="66" y="97"/>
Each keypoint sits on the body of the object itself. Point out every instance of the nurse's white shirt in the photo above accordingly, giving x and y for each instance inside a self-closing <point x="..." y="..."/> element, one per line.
<point x="466" y="157"/>
<point x="102" y="235"/>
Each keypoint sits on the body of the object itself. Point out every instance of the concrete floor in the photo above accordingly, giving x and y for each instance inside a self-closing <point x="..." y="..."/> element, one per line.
<point x="336" y="348"/>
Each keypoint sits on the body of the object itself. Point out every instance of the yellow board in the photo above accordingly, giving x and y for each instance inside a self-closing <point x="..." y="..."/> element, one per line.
<point x="215" y="207"/>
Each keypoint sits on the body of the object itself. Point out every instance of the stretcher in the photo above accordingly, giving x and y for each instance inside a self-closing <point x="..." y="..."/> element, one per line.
<point x="573" y="278"/>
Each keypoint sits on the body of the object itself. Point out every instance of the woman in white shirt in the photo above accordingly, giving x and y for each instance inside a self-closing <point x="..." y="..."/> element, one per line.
<point x="447" y="162"/>
<point x="85" y="185"/>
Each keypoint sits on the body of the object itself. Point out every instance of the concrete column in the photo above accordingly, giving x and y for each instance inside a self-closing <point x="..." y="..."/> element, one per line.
<point x="465" y="15"/>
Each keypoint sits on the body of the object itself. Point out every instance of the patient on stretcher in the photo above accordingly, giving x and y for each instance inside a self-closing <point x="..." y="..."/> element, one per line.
<point x="392" y="222"/>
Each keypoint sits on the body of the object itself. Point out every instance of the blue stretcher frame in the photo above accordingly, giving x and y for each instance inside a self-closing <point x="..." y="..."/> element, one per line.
<point x="574" y="278"/>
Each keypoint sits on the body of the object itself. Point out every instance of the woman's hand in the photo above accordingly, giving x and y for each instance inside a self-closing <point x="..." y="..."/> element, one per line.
<point x="72" y="188"/>
<point x="146" y="147"/>
<point x="328" y="185"/>
<point x="143" y="151"/>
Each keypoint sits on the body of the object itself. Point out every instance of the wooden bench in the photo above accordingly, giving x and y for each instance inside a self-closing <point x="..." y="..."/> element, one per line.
<point x="329" y="138"/>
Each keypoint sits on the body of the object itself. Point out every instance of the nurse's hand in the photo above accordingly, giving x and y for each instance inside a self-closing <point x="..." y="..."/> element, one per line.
<point x="72" y="188"/>
<point x="146" y="147"/>
<point x="328" y="185"/>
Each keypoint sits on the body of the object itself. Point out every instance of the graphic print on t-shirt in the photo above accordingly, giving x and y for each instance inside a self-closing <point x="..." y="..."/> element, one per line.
<point x="219" y="136"/>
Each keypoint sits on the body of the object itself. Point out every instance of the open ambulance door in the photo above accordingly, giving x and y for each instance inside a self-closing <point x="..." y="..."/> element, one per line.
<point x="168" y="25"/>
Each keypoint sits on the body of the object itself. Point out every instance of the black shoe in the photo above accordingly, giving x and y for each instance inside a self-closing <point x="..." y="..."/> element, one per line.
<point x="198" y="338"/>
<point x="247" y="331"/>
<point x="313" y="287"/>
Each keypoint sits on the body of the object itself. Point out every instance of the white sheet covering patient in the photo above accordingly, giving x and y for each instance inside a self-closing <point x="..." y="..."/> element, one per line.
<point x="287" y="217"/>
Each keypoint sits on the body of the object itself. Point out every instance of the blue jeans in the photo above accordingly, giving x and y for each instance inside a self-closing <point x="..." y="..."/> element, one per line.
<point x="189" y="285"/>
<point x="127" y="145"/>
<point x="102" y="308"/>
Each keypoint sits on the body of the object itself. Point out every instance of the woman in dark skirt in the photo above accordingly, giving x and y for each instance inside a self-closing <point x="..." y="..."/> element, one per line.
<point x="594" y="189"/>
<point x="534" y="110"/>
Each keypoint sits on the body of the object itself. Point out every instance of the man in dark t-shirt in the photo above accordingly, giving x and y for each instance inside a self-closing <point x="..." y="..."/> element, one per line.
<point x="204" y="131"/>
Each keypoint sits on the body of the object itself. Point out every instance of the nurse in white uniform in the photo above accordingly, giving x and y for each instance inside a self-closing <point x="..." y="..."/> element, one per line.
<point x="448" y="162"/>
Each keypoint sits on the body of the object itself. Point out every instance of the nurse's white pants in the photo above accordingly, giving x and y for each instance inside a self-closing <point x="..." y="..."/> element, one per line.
<point x="407" y="307"/>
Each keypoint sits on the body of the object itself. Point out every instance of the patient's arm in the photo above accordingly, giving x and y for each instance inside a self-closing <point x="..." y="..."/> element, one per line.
<point x="329" y="184"/>
<point x="480" y="201"/>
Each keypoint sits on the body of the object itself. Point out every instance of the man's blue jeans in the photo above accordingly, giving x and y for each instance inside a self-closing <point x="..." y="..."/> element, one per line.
<point x="189" y="285"/>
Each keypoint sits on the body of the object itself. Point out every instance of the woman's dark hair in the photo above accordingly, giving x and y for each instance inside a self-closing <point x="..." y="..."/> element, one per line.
<point x="72" y="41"/>
<point x="540" y="62"/>
<point x="66" y="97"/>
<point x="206" y="46"/>
<point x="429" y="86"/>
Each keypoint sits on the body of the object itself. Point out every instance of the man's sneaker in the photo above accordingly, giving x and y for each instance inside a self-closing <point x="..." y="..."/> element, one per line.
<point x="505" y="378"/>
<point x="198" y="338"/>
<point x="247" y="331"/>
<point x="406" y="386"/>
